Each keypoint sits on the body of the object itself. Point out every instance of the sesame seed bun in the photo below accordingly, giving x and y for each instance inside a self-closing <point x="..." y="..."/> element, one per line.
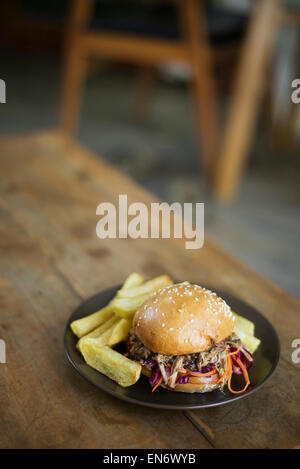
<point x="182" y="319"/>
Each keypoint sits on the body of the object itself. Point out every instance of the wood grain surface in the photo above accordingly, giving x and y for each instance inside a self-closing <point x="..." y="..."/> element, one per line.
<point x="51" y="259"/>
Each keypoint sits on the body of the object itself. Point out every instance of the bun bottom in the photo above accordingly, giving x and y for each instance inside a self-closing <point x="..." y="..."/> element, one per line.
<point x="191" y="388"/>
<point x="188" y="387"/>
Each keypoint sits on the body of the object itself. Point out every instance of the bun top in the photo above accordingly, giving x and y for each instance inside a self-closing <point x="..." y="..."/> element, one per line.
<point x="181" y="319"/>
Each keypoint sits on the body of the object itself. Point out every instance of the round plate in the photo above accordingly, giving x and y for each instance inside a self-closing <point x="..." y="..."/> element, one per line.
<point x="265" y="362"/>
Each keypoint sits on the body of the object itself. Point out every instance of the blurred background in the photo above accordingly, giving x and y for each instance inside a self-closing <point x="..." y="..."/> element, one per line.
<point x="190" y="98"/>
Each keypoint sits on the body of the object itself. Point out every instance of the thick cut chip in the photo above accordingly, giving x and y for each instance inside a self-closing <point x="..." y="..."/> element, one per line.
<point x="133" y="280"/>
<point x="146" y="288"/>
<point x="120" y="331"/>
<point x="101" y="331"/>
<point x="244" y="325"/>
<point x="83" y="326"/>
<point x="245" y="329"/>
<point x="250" y="341"/>
<point x="126" y="307"/>
<point x="111" y="363"/>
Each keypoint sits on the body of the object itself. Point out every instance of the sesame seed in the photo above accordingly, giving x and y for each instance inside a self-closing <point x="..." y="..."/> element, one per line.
<point x="163" y="324"/>
<point x="171" y="328"/>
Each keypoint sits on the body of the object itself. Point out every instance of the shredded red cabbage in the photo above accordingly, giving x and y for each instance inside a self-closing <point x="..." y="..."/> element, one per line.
<point x="206" y="369"/>
<point x="154" y="377"/>
<point x="150" y="362"/>
<point x="156" y="373"/>
<point x="182" y="379"/>
<point x="235" y="367"/>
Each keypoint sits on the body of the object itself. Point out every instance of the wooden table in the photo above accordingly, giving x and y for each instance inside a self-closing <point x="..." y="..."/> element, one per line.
<point x="51" y="260"/>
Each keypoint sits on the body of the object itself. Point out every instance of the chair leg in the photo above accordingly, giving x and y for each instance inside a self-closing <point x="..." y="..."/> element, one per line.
<point x="73" y="78"/>
<point x="75" y="65"/>
<point x="246" y="98"/>
<point x="143" y="92"/>
<point x="283" y="113"/>
<point x="202" y="84"/>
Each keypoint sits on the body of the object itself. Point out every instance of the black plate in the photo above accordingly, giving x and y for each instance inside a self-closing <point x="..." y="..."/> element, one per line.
<point x="265" y="362"/>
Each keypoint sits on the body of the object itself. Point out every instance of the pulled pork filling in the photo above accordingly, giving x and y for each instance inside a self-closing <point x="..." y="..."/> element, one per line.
<point x="172" y="366"/>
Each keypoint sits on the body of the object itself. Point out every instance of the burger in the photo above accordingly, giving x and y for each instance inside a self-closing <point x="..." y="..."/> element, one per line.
<point x="183" y="338"/>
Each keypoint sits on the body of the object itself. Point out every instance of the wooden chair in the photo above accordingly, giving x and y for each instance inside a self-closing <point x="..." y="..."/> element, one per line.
<point x="250" y="85"/>
<point x="192" y="48"/>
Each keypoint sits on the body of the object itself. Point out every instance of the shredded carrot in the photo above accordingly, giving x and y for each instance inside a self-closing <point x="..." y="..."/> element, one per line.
<point x="228" y="372"/>
<point x="157" y="384"/>
<point x="221" y="377"/>
<point x="233" y="353"/>
<point x="245" y="374"/>
<point x="183" y="371"/>
<point x="244" y="370"/>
